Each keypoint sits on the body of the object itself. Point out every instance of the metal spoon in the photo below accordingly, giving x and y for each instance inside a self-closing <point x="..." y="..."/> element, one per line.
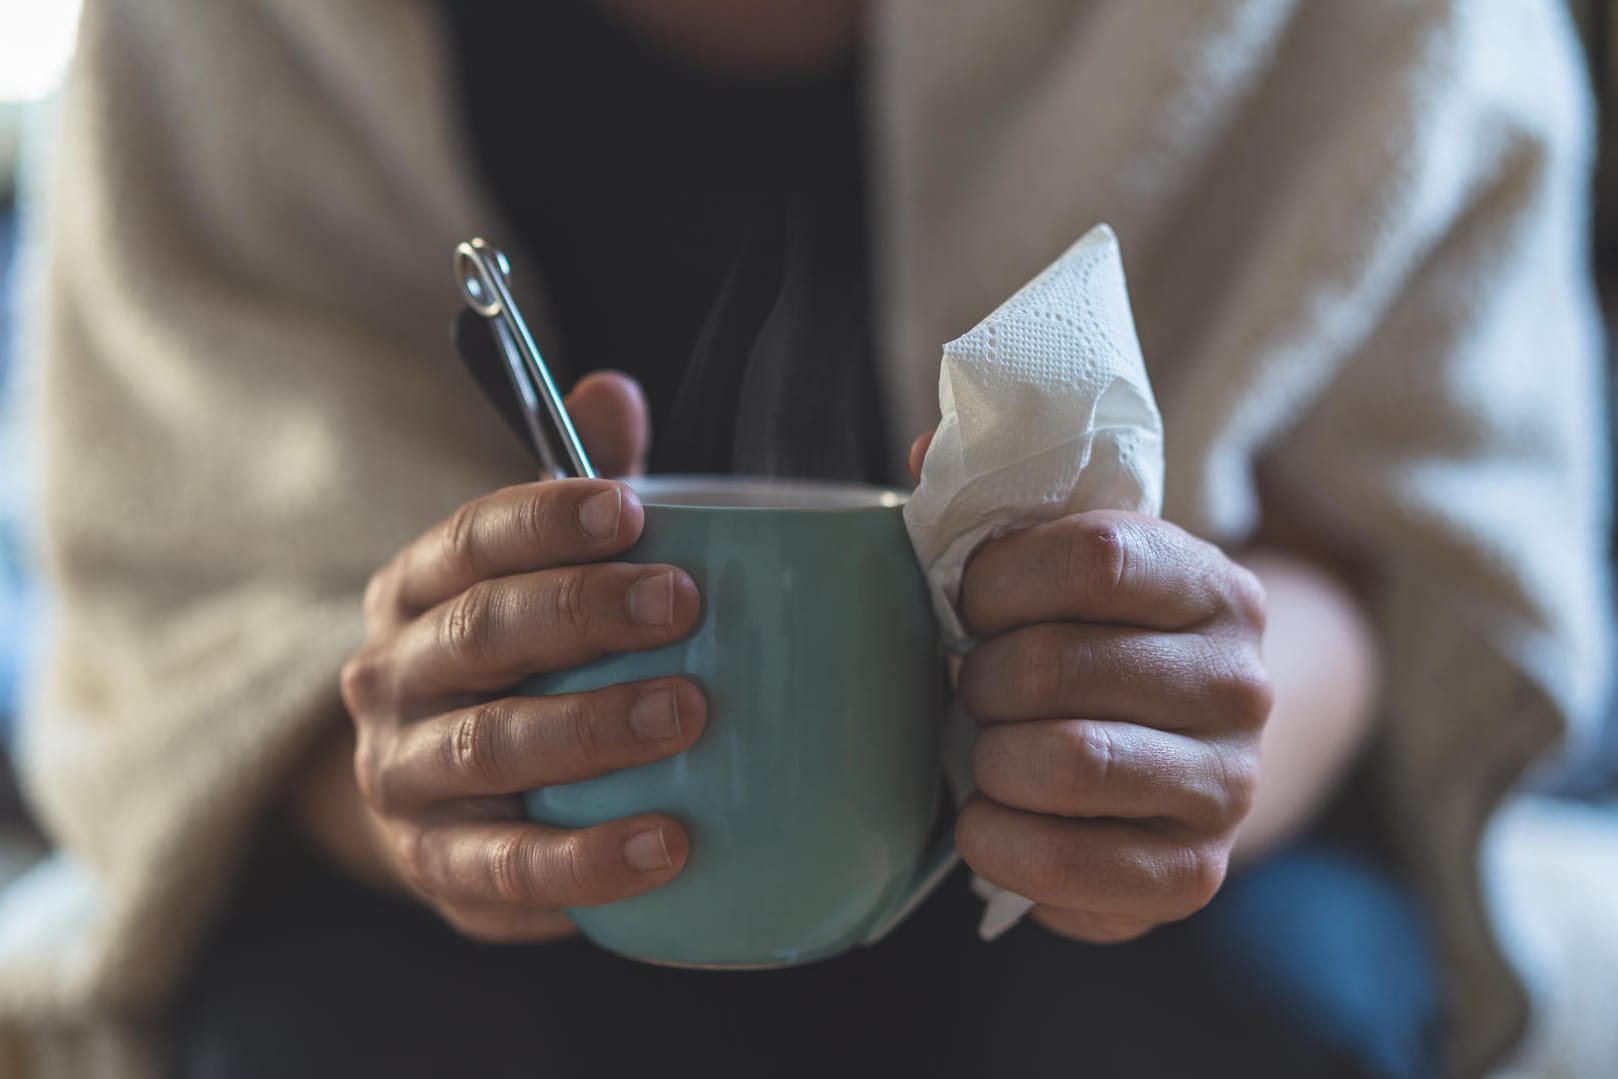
<point x="484" y="274"/>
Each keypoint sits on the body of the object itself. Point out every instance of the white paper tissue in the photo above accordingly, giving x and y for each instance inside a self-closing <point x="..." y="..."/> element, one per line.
<point x="1046" y="411"/>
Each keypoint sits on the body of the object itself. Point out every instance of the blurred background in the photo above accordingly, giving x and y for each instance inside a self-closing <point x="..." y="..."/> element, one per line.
<point x="36" y="43"/>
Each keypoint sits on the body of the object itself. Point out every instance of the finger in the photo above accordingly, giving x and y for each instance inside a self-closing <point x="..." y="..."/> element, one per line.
<point x="497" y="632"/>
<point x="534" y="866"/>
<point x="1105" y="867"/>
<point x="1173" y="681"/>
<point x="1103" y="566"/>
<point x="516" y="530"/>
<point x="519" y="743"/>
<point x="1092" y="928"/>
<point x="501" y="923"/>
<point x="1084" y="768"/>
<point x="918" y="454"/>
<point x="609" y="411"/>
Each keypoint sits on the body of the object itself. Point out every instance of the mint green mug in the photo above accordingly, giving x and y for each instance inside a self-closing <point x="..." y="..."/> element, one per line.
<point x="813" y="792"/>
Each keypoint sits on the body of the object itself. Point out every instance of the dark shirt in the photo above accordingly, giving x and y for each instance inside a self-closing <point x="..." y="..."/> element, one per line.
<point x="704" y="234"/>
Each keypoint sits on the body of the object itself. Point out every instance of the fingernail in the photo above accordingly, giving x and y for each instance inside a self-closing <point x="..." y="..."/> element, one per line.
<point x="600" y="513"/>
<point x="656" y="716"/>
<point x="651" y="599"/>
<point x="647" y="852"/>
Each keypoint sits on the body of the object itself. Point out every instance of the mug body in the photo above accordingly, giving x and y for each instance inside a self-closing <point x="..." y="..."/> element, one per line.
<point x="812" y="792"/>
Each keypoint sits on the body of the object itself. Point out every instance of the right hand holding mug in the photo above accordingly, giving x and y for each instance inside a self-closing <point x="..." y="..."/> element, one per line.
<point x="511" y="584"/>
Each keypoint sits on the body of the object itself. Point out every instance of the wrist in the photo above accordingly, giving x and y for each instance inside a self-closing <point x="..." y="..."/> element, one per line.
<point x="1320" y="650"/>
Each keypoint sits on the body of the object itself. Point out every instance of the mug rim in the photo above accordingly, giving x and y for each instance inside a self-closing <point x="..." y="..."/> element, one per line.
<point x="700" y="492"/>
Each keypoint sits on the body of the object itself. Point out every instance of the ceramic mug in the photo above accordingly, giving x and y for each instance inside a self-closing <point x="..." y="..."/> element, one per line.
<point x="812" y="794"/>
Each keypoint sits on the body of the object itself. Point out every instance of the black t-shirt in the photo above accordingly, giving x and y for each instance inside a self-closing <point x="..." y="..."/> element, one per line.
<point x="704" y="234"/>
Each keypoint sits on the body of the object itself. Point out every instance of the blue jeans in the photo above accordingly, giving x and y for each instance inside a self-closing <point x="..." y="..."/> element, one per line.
<point x="1315" y="963"/>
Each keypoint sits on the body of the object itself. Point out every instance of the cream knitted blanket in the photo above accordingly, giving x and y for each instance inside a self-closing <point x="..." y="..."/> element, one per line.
<point x="1354" y="234"/>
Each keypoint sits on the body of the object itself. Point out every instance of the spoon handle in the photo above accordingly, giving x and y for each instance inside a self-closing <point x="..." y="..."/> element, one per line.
<point x="484" y="275"/>
<point x="480" y="353"/>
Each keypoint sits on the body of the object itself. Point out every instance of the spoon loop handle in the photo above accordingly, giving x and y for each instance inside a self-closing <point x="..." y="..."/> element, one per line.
<point x="484" y="274"/>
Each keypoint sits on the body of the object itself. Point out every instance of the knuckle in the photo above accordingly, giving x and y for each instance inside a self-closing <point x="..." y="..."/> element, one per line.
<point x="472" y="746"/>
<point x="511" y="861"/>
<point x="581" y="735"/>
<point x="380" y="593"/>
<point x="1242" y="692"/>
<point x="1246" y="596"/>
<point x="1090" y="754"/>
<point x="532" y="517"/>
<point x="460" y="549"/>
<point x="361" y="684"/>
<point x="467" y="623"/>
<point x="1097" y="556"/>
<point x="569" y="605"/>
<point x="1195" y="875"/>
<point x="571" y="862"/>
<point x="370" y="774"/>
<point x="1239" y="775"/>
<point x="415" y="862"/>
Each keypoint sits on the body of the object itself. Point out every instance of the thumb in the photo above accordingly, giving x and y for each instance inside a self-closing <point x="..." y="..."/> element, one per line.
<point x="609" y="410"/>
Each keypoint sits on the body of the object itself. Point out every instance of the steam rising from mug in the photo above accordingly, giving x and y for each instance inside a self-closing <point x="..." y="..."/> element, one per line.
<point x="782" y="380"/>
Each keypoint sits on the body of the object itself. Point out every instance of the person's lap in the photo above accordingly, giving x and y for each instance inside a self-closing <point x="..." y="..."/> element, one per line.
<point x="1314" y="962"/>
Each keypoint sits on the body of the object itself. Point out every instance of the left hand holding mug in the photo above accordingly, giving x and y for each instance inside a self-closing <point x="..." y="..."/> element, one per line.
<point x="1121" y="693"/>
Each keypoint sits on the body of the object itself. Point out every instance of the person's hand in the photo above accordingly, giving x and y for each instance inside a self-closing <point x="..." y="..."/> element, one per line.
<point x="511" y="584"/>
<point x="1121" y="693"/>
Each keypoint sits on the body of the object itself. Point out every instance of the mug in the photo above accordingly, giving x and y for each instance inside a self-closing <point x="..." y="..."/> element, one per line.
<point x="812" y="794"/>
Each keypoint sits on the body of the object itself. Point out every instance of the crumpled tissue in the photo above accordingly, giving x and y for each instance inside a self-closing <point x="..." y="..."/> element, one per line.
<point x="1046" y="411"/>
